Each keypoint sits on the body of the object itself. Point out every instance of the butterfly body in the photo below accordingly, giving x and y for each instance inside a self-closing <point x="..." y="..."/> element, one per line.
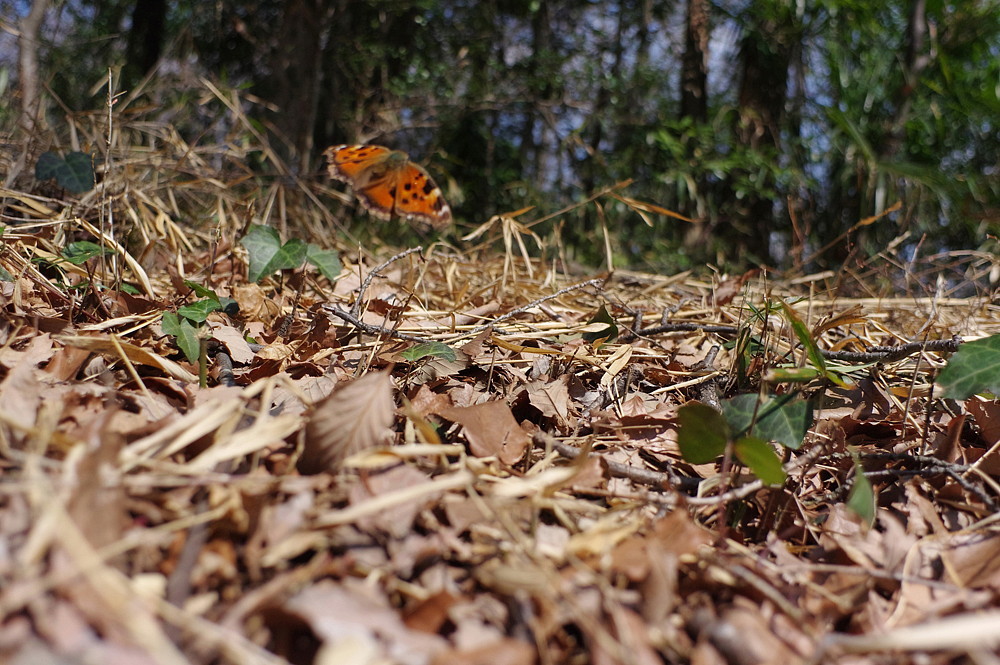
<point x="388" y="184"/>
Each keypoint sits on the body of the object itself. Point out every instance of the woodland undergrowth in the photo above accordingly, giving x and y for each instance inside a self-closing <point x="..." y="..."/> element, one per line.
<point x="474" y="452"/>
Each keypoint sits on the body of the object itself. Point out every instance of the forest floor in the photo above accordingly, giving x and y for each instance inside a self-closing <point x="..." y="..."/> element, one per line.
<point x="464" y="456"/>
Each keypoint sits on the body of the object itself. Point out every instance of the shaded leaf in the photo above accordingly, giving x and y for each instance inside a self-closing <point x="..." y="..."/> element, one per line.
<point x="82" y="251"/>
<point x="608" y="333"/>
<point x="262" y="244"/>
<point x="491" y="430"/>
<point x="75" y="172"/>
<point x="862" y="498"/>
<point x="975" y="368"/>
<point x="289" y="256"/>
<point x="780" y="419"/>
<point x="326" y="261"/>
<point x="703" y="433"/>
<point x="198" y="311"/>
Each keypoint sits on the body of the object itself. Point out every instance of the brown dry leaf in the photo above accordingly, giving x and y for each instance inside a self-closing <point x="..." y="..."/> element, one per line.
<point x="505" y="651"/>
<point x="21" y="395"/>
<point x="491" y="430"/>
<point x="355" y="416"/>
<point x="397" y="521"/>
<point x="352" y="626"/>
<point x="987" y="415"/>
<point x="137" y="354"/>
<point x="233" y="339"/>
<point x="552" y="399"/>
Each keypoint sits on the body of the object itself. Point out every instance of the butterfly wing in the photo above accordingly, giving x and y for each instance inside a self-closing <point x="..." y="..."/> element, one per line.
<point x="387" y="183"/>
<point x="419" y="199"/>
<point x="366" y="168"/>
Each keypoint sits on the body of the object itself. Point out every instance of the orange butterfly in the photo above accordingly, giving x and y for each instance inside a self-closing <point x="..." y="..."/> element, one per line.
<point x="387" y="183"/>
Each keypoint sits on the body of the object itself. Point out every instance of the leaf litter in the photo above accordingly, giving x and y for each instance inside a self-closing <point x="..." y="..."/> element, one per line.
<point x="464" y="457"/>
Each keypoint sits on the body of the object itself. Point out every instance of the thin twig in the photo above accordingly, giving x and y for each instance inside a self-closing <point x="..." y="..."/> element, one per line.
<point x="375" y="272"/>
<point x="536" y="303"/>
<point x="378" y="331"/>
<point x="617" y="470"/>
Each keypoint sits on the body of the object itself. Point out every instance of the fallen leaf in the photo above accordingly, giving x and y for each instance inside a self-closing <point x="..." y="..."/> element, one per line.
<point x="357" y="415"/>
<point x="491" y="430"/>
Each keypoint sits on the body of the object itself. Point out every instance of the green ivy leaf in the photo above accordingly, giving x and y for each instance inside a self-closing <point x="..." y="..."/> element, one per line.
<point x="291" y="255"/>
<point x="184" y="333"/>
<point x="199" y="310"/>
<point x="262" y="244"/>
<point x="75" y="172"/>
<point x="433" y="349"/>
<point x="760" y="458"/>
<point x="779" y="418"/>
<point x="975" y="368"/>
<point x="201" y="291"/>
<point x="862" y="498"/>
<point x="80" y="252"/>
<point x="703" y="433"/>
<point x="326" y="261"/>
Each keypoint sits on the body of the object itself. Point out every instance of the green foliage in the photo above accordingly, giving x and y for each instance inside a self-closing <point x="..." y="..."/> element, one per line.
<point x="185" y="325"/>
<point x="819" y="368"/>
<point x="607" y="334"/>
<point x="759" y="457"/>
<point x="862" y="497"/>
<point x="82" y="251"/>
<point x="783" y="419"/>
<point x="184" y="333"/>
<point x="975" y="368"/>
<point x="704" y="434"/>
<point x="74" y="172"/>
<point x="268" y="255"/>
<point x="429" y="349"/>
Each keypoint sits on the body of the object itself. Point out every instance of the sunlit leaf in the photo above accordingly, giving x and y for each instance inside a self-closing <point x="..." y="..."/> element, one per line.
<point x="184" y="333"/>
<point x="760" y="458"/>
<point x="433" y="349"/>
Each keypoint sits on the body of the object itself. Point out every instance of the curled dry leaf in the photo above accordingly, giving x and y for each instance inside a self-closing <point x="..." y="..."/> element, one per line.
<point x="355" y="416"/>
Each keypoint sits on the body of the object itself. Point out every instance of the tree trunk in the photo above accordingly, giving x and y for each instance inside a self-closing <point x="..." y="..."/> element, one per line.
<point x="765" y="56"/>
<point x="31" y="101"/>
<point x="295" y="75"/>
<point x="694" y="63"/>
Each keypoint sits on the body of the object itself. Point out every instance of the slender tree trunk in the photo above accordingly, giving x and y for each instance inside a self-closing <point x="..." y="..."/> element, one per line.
<point x="915" y="60"/>
<point x="694" y="63"/>
<point x="28" y="76"/>
<point x="145" y="39"/>
<point x="295" y="75"/>
<point x="765" y="55"/>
